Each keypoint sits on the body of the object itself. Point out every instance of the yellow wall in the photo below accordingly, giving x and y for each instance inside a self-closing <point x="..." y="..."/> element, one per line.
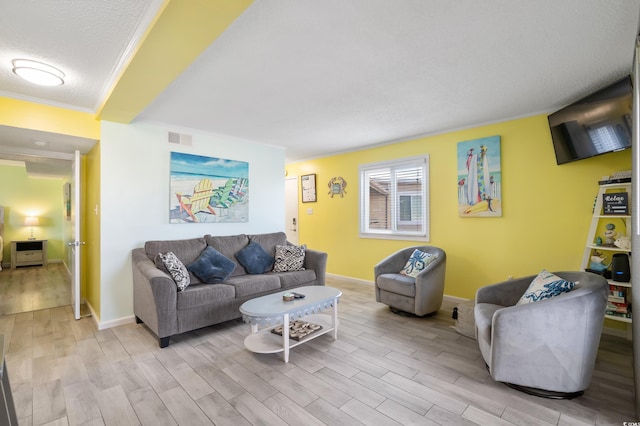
<point x="30" y="115"/>
<point x="24" y="196"/>
<point x="91" y="226"/>
<point x="546" y="208"/>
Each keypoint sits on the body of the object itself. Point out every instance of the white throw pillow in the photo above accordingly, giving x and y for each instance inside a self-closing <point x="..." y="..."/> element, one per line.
<point x="177" y="269"/>
<point x="289" y="258"/>
<point x="417" y="262"/>
<point x="544" y="286"/>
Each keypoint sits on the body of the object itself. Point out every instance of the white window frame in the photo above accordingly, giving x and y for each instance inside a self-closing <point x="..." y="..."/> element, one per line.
<point x="395" y="234"/>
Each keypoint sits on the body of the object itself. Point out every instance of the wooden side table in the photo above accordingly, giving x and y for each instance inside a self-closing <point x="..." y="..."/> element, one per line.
<point x="28" y="253"/>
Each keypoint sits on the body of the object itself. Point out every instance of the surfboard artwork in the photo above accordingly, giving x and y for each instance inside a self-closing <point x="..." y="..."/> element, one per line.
<point x="479" y="178"/>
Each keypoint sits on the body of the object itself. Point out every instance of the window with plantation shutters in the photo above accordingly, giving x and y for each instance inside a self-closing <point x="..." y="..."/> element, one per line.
<point x="394" y="201"/>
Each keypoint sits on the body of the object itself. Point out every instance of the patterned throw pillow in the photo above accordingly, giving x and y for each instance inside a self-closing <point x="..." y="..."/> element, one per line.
<point x="544" y="286"/>
<point x="177" y="269"/>
<point x="417" y="262"/>
<point x="289" y="258"/>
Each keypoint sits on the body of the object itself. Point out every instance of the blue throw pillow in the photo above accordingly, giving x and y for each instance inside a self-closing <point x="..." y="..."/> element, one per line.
<point x="255" y="259"/>
<point x="212" y="266"/>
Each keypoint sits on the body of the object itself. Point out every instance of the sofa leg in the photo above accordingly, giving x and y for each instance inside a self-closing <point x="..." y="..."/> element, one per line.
<point x="138" y="320"/>
<point x="164" y="341"/>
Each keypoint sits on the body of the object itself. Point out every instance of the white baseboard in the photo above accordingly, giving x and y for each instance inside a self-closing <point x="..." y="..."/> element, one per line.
<point x="351" y="279"/>
<point x="109" y="324"/>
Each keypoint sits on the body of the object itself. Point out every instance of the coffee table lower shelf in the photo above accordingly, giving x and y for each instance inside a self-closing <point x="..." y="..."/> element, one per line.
<point x="266" y="342"/>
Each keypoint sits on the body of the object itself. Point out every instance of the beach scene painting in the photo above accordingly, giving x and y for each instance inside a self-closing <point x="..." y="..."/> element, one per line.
<point x="208" y="189"/>
<point x="479" y="178"/>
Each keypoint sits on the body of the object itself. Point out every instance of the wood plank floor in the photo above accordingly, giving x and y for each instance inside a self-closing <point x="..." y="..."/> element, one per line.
<point x="32" y="288"/>
<point x="384" y="369"/>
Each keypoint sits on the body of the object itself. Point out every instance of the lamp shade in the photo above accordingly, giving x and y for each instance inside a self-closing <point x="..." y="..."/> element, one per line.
<point x="30" y="221"/>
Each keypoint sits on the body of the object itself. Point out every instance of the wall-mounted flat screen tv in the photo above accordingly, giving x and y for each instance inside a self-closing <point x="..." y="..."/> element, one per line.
<point x="594" y="125"/>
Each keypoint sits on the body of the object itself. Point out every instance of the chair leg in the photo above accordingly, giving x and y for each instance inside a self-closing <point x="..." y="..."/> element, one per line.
<point x="545" y="393"/>
<point x="541" y="392"/>
<point x="164" y="341"/>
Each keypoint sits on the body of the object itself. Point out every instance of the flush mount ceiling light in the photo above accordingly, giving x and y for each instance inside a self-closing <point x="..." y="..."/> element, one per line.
<point x="38" y="72"/>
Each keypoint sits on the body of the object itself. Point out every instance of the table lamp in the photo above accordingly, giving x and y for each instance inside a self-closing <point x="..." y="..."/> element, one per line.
<point x="31" y="221"/>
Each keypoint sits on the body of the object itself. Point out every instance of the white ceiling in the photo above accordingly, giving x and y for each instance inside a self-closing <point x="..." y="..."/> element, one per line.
<point x="319" y="77"/>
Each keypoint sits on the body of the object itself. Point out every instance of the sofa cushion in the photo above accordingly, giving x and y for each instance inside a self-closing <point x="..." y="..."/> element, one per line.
<point x="248" y="285"/>
<point x="296" y="278"/>
<point x="204" y="294"/>
<point x="544" y="286"/>
<point x="176" y="268"/>
<point x="397" y="283"/>
<point x="212" y="267"/>
<point x="229" y="246"/>
<point x="269" y="241"/>
<point x="255" y="259"/>
<point x="289" y="258"/>
<point x="186" y="250"/>
<point x="417" y="262"/>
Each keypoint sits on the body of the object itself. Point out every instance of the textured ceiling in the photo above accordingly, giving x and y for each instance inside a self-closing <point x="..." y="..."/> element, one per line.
<point x="319" y="77"/>
<point x="88" y="40"/>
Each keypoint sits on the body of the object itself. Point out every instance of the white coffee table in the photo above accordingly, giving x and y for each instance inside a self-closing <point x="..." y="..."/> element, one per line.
<point x="271" y="310"/>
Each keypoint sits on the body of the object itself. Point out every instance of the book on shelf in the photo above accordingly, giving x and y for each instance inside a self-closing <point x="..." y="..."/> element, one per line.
<point x="616" y="299"/>
<point x="618" y="309"/>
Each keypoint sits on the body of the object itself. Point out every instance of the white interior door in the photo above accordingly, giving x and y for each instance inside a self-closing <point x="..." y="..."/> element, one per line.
<point x="75" y="243"/>
<point x="291" y="209"/>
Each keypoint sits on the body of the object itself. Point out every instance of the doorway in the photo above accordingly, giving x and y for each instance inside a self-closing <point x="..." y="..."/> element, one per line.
<point x="291" y="209"/>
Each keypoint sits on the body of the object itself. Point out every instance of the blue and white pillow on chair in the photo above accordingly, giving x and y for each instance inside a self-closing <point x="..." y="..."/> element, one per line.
<point x="544" y="286"/>
<point x="417" y="262"/>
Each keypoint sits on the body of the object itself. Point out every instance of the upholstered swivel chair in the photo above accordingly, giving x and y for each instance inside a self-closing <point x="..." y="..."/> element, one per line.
<point x="421" y="295"/>
<point x="546" y="348"/>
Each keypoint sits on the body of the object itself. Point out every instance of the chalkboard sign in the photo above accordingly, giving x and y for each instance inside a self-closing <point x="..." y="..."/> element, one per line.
<point x="615" y="203"/>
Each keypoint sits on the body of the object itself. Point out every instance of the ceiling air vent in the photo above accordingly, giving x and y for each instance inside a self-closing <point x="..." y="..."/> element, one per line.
<point x="178" y="139"/>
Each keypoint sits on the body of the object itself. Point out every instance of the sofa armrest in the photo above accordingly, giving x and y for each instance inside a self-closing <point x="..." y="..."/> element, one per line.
<point x="154" y="295"/>
<point x="316" y="260"/>
<point x="506" y="293"/>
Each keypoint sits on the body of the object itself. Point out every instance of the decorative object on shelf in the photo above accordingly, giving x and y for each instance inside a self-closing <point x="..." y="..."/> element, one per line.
<point x="308" y="183"/>
<point x="31" y="221"/>
<point x="337" y="186"/>
<point x="598" y="241"/>
<point x="597" y="262"/>
<point x="479" y="178"/>
<point x="610" y="234"/>
<point x="623" y="242"/>
<point x="615" y="203"/>
<point x="208" y="189"/>
<point x="298" y="329"/>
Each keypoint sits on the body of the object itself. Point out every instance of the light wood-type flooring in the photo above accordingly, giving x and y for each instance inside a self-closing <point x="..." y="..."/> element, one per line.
<point x="30" y="288"/>
<point x="384" y="369"/>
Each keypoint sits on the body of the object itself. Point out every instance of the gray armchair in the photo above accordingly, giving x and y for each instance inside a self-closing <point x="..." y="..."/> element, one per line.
<point x="421" y="295"/>
<point x="546" y="348"/>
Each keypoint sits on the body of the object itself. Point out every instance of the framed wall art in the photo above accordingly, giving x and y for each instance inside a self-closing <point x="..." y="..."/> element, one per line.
<point x="308" y="184"/>
<point x="479" y="178"/>
<point x="208" y="189"/>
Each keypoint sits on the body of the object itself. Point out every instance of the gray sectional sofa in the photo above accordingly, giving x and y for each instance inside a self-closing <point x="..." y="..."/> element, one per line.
<point x="166" y="311"/>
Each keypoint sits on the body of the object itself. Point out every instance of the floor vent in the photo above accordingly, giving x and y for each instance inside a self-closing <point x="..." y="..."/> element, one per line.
<point x="178" y="139"/>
